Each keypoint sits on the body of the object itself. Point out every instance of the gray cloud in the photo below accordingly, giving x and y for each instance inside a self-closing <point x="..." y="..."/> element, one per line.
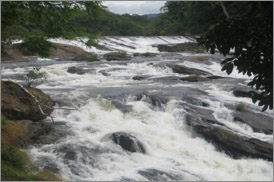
<point x="134" y="7"/>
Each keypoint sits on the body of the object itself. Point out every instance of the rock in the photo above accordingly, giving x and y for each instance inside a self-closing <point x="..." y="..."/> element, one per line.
<point x="28" y="132"/>
<point x="154" y="100"/>
<point x="18" y="105"/>
<point x="157" y="175"/>
<point x="62" y="52"/>
<point x="116" y="56"/>
<point x="14" y="54"/>
<point x="185" y="70"/>
<point x="231" y="143"/>
<point x="258" y="121"/>
<point x="184" y="47"/>
<point x="76" y="70"/>
<point x="139" y="78"/>
<point x="51" y="167"/>
<point x="194" y="78"/>
<point x="68" y="52"/>
<point x="122" y="107"/>
<point x="127" y="142"/>
<point x="243" y="91"/>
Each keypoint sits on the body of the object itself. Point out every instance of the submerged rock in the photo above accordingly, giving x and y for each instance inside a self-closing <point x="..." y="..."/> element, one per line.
<point x="141" y="77"/>
<point x="19" y="105"/>
<point x="127" y="142"/>
<point x="76" y="70"/>
<point x="122" y="107"/>
<point x="157" y="175"/>
<point x="155" y="100"/>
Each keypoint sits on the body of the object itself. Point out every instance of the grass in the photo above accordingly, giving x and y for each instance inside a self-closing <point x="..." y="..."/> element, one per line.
<point x="15" y="164"/>
<point x="116" y="56"/>
<point x="241" y="107"/>
<point x="93" y="57"/>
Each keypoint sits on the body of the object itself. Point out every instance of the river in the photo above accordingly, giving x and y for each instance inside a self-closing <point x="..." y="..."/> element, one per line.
<point x="152" y="107"/>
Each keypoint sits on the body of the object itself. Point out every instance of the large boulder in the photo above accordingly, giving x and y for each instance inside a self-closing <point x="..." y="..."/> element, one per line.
<point x="77" y="70"/>
<point x="184" y="47"/>
<point x="241" y="91"/>
<point x="186" y="70"/>
<point x="127" y="142"/>
<point x="62" y="52"/>
<point x="226" y="140"/>
<point x="155" y="100"/>
<point x="17" y="104"/>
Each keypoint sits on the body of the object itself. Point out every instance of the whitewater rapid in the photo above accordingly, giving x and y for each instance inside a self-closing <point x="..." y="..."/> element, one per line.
<point x="171" y="145"/>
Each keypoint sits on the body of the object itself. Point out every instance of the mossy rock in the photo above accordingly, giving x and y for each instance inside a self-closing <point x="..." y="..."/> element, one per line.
<point x="16" y="166"/>
<point x="117" y="56"/>
<point x="18" y="105"/>
<point x="190" y="47"/>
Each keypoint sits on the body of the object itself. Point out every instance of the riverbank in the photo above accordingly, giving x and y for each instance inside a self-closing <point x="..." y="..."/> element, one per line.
<point x="21" y="126"/>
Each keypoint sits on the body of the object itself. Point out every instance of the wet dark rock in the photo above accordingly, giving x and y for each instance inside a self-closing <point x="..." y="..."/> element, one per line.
<point x="117" y="56"/>
<point x="155" y="100"/>
<point x="185" y="70"/>
<point x="143" y="77"/>
<point x="258" y="121"/>
<point x="125" y="179"/>
<point x="16" y="104"/>
<point x="51" y="167"/>
<point x="105" y="72"/>
<point x="122" y="107"/>
<point x="194" y="78"/>
<point x="127" y="142"/>
<point x="70" y="155"/>
<point x="226" y="140"/>
<point x="184" y="47"/>
<point x="157" y="175"/>
<point x="77" y="70"/>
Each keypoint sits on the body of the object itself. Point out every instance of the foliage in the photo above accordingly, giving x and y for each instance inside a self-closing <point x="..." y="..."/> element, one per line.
<point x="241" y="107"/>
<point x="34" y="75"/>
<point x="93" y="57"/>
<point x="251" y="37"/>
<point x="15" y="164"/>
<point x="116" y="56"/>
<point x="48" y="19"/>
<point x="36" y="45"/>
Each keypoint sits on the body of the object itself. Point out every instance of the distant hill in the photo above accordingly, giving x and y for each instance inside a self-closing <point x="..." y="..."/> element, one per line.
<point x="153" y="17"/>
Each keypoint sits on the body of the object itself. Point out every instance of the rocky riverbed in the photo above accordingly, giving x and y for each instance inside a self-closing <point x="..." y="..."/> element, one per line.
<point x="170" y="116"/>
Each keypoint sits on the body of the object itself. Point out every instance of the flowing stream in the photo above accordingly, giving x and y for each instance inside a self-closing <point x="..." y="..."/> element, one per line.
<point x="107" y="99"/>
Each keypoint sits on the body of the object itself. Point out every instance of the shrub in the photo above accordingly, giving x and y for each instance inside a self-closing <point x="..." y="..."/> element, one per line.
<point x="36" y="45"/>
<point x="34" y="75"/>
<point x="93" y="57"/>
<point x="241" y="107"/>
<point x="116" y="56"/>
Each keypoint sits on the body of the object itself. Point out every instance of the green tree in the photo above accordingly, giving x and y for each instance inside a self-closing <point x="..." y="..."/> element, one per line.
<point x="51" y="18"/>
<point x="250" y="33"/>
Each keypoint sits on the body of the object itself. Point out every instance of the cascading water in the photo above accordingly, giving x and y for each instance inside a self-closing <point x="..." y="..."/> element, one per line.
<point x="107" y="100"/>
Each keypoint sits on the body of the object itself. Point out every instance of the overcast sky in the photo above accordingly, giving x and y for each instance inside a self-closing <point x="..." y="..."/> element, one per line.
<point x="134" y="7"/>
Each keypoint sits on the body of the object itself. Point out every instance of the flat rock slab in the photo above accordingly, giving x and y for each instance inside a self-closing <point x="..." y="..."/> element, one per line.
<point x="231" y="143"/>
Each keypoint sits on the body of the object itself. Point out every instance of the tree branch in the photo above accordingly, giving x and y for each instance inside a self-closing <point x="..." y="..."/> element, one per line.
<point x="224" y="9"/>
